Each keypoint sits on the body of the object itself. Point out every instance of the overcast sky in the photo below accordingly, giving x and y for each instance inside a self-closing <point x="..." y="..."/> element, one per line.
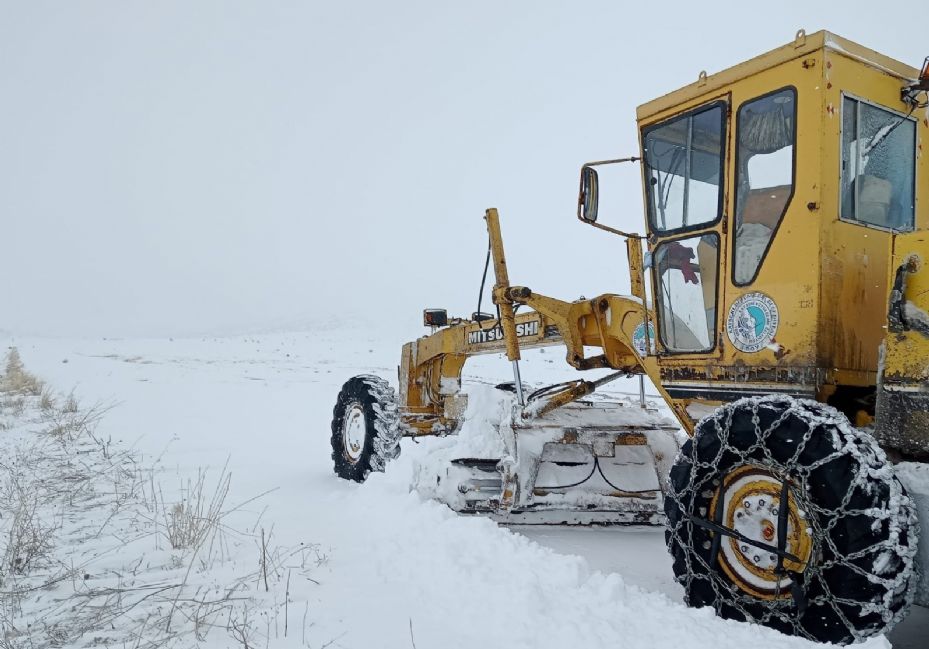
<point x="172" y="167"/>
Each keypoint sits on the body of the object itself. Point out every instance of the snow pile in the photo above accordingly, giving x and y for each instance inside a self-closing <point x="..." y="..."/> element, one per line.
<point x="466" y="582"/>
<point x="489" y="411"/>
<point x="915" y="477"/>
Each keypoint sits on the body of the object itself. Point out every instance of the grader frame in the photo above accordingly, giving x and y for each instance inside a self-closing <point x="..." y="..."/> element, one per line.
<point x="823" y="282"/>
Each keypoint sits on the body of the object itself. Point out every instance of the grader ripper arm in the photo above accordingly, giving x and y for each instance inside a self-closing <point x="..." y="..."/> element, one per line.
<point x="430" y="368"/>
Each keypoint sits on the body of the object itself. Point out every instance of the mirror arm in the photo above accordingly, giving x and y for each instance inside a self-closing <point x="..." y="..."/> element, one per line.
<point x="597" y="163"/>
<point x="583" y="196"/>
<point x="628" y="235"/>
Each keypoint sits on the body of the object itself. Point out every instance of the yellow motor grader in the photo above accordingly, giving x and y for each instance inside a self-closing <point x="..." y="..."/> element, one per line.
<point x="778" y="303"/>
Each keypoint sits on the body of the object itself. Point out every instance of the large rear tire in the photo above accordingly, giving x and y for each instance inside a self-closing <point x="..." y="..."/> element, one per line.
<point x="365" y="428"/>
<point x="849" y="523"/>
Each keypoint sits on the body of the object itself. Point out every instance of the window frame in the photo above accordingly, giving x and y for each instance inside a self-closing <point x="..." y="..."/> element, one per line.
<point x="723" y="104"/>
<point x="793" y="183"/>
<point x="861" y="100"/>
<point x="664" y="349"/>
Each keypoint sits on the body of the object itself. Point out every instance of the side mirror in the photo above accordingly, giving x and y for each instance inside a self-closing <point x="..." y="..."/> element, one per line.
<point x="588" y="195"/>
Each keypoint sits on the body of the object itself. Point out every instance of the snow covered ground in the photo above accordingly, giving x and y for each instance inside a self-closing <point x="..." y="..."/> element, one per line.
<point x="389" y="569"/>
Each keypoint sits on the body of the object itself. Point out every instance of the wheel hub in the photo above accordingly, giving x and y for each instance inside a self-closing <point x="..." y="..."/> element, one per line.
<point x="354" y="432"/>
<point x="751" y="506"/>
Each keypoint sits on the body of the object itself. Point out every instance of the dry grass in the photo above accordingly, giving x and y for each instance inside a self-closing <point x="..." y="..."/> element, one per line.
<point x="66" y="494"/>
<point x="191" y="522"/>
<point x="16" y="380"/>
<point x="47" y="400"/>
<point x="29" y="538"/>
<point x="70" y="406"/>
<point x="71" y="423"/>
<point x="13" y="404"/>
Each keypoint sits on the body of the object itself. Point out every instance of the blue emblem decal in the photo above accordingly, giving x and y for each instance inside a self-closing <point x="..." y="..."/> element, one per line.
<point x="752" y="322"/>
<point x="644" y="345"/>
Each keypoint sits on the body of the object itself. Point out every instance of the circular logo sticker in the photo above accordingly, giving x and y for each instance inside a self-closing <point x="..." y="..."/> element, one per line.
<point x="752" y="322"/>
<point x="641" y="342"/>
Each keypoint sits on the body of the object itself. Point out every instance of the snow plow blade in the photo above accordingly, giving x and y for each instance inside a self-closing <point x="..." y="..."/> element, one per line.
<point x="600" y="463"/>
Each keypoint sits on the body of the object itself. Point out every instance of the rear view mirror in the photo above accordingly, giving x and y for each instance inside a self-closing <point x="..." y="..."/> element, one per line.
<point x="588" y="195"/>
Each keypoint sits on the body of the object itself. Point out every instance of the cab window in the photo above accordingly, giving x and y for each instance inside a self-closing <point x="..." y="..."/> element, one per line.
<point x="878" y="165"/>
<point x="684" y="169"/>
<point x="686" y="273"/>
<point x="766" y="130"/>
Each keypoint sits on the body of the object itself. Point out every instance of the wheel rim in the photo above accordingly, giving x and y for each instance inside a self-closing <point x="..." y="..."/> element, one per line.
<point x="353" y="433"/>
<point x="751" y="504"/>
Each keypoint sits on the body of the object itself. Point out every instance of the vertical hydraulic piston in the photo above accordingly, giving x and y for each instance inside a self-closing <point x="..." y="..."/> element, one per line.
<point x="502" y="300"/>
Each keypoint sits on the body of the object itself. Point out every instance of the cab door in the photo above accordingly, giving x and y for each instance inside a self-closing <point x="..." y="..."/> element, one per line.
<point x="685" y="158"/>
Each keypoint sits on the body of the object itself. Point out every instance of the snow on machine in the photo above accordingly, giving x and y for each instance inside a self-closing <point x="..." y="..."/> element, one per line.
<point x="782" y="312"/>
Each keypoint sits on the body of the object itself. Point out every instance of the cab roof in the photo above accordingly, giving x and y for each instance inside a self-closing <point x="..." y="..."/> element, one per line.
<point x="803" y="45"/>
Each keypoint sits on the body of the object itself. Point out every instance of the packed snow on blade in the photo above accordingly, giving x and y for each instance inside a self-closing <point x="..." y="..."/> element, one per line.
<point x="588" y="462"/>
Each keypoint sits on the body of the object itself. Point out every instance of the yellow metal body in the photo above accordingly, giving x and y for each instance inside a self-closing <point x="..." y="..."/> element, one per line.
<point x="830" y="277"/>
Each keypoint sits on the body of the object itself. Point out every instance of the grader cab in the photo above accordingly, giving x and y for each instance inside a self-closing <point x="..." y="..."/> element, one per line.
<point x="780" y="306"/>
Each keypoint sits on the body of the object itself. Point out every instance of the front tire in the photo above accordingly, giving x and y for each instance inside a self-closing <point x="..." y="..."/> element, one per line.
<point x="365" y="428"/>
<point x="850" y="525"/>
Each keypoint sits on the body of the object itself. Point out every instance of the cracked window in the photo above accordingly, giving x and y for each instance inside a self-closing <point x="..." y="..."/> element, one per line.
<point x="878" y="165"/>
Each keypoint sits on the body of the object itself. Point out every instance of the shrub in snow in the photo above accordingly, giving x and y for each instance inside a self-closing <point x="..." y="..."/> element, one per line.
<point x="82" y="530"/>
<point x="16" y="379"/>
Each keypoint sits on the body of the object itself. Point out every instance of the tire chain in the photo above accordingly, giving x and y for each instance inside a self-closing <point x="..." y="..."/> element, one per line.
<point x="386" y="422"/>
<point x="870" y="458"/>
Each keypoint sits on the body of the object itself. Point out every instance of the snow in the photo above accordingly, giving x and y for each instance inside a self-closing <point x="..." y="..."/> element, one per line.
<point x="914" y="314"/>
<point x="489" y="431"/>
<point x="698" y="411"/>
<point x="399" y="570"/>
<point x="915" y="477"/>
<point x="834" y="45"/>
